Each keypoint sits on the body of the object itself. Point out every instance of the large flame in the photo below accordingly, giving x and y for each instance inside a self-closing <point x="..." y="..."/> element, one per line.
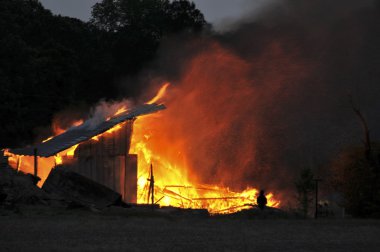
<point x="203" y="147"/>
<point x="175" y="183"/>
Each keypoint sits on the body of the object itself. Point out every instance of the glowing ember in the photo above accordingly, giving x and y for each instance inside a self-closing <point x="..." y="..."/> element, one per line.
<point x="47" y="139"/>
<point x="121" y="110"/>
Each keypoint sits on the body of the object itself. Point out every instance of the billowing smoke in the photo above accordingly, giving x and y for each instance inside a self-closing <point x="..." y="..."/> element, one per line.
<point x="253" y="106"/>
<point x="226" y="15"/>
<point x="104" y="110"/>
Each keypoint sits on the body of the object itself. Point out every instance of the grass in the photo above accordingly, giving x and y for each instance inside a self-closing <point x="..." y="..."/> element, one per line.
<point x="116" y="230"/>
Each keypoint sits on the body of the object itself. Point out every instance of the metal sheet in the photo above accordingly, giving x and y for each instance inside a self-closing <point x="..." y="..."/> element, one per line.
<point x="84" y="132"/>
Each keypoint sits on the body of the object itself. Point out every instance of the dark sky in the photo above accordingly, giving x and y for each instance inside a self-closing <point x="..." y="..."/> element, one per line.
<point x="217" y="12"/>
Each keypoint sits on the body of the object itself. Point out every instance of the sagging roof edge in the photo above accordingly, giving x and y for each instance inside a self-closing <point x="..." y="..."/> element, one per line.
<point x="84" y="132"/>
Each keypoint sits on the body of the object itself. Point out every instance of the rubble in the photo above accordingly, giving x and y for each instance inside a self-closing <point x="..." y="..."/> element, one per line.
<point x="19" y="188"/>
<point x="79" y="190"/>
<point x="63" y="189"/>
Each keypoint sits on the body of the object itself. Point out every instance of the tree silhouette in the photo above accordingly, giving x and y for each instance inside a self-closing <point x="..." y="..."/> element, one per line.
<point x="48" y="62"/>
<point x="305" y="187"/>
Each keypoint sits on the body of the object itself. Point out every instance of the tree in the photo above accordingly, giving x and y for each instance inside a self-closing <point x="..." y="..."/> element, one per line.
<point x="135" y="28"/>
<point x="106" y="16"/>
<point x="182" y="14"/>
<point x="49" y="63"/>
<point x="354" y="176"/>
<point x="305" y="187"/>
<point x="44" y="60"/>
<point x="367" y="138"/>
<point x="153" y="16"/>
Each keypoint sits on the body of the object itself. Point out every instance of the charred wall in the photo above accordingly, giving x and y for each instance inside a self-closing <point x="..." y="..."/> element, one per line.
<point x="107" y="161"/>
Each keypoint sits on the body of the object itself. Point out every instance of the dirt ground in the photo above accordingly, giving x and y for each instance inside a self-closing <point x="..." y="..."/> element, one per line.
<point x="122" y="231"/>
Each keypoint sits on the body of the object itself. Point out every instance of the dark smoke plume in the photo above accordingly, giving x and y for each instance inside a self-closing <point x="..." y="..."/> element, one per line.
<point x="272" y="96"/>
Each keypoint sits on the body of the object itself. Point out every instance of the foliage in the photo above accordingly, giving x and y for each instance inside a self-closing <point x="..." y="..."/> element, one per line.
<point x="136" y="27"/>
<point x="150" y="17"/>
<point x="356" y="177"/>
<point x="48" y="63"/>
<point x="36" y="64"/>
<point x="305" y="187"/>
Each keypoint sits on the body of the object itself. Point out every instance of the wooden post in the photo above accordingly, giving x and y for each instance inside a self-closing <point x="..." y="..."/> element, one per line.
<point x="131" y="165"/>
<point x="152" y="183"/>
<point x="113" y="169"/>
<point x="18" y="163"/>
<point x="121" y="174"/>
<point x="35" y="162"/>
<point x="316" y="197"/>
<point x="151" y="186"/>
<point x="130" y="184"/>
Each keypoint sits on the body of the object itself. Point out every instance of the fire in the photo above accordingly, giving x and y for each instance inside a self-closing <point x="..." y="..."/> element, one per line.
<point x="110" y="131"/>
<point x="175" y="185"/>
<point x="57" y="129"/>
<point x="70" y="152"/>
<point x="160" y="93"/>
<point x="121" y="110"/>
<point x="47" y="139"/>
<point x="26" y="163"/>
<point x="209" y="134"/>
<point x="202" y="147"/>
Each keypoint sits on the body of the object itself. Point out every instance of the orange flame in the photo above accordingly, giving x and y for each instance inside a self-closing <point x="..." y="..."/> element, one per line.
<point x="174" y="183"/>
<point x="46" y="164"/>
<point x="160" y="94"/>
<point x="26" y="163"/>
<point x="47" y="139"/>
<point x="121" y="110"/>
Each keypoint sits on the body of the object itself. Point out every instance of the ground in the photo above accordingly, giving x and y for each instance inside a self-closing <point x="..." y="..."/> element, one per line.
<point x="79" y="230"/>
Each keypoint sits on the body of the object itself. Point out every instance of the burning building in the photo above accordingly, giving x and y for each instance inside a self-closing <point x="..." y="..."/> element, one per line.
<point x="249" y="108"/>
<point x="119" y="151"/>
<point x="98" y="151"/>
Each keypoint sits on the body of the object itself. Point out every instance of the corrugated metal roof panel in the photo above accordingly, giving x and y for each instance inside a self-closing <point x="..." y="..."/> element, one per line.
<point x="84" y="132"/>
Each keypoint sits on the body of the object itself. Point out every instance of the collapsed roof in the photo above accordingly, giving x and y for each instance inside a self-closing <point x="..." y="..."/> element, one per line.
<point x="84" y="132"/>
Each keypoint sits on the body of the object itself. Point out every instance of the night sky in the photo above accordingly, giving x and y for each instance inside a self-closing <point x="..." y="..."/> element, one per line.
<point x="217" y="12"/>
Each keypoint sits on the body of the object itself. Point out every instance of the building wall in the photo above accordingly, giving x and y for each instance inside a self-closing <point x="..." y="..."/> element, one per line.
<point x="108" y="162"/>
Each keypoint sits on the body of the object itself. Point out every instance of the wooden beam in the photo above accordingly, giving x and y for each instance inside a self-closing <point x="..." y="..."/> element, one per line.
<point x="35" y="162"/>
<point x="131" y="178"/>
